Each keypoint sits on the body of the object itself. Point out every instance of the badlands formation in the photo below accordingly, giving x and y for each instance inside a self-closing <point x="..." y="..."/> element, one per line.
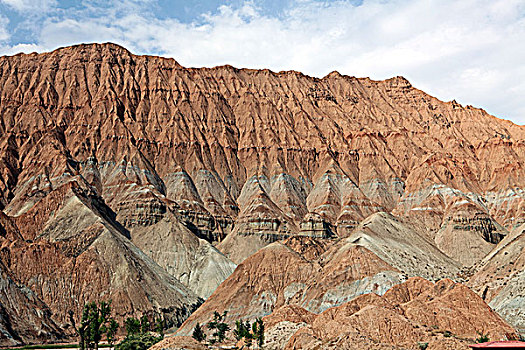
<point x="349" y="213"/>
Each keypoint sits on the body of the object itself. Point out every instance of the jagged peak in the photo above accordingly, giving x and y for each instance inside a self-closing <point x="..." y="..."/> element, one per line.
<point x="399" y="81"/>
<point x="333" y="74"/>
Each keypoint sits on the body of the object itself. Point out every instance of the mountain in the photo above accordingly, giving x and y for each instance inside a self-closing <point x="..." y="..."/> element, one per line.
<point x="193" y="261"/>
<point x="277" y="275"/>
<point x="500" y="278"/>
<point x="444" y="315"/>
<point x="23" y="316"/>
<point x="317" y="275"/>
<point x="402" y="246"/>
<point x="253" y="152"/>
<point x="69" y="251"/>
<point x="135" y="179"/>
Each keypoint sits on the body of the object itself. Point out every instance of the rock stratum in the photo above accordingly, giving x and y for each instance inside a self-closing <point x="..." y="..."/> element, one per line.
<point x="443" y="315"/>
<point x="135" y="179"/>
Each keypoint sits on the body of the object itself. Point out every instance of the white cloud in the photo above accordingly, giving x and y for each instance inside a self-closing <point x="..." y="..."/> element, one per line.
<point x="27" y="48"/>
<point x="30" y="5"/>
<point x="4" y="33"/>
<point x="469" y="50"/>
<point x="72" y="31"/>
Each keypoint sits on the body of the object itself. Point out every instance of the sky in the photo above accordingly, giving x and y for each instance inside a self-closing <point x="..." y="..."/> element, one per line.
<point x="472" y="51"/>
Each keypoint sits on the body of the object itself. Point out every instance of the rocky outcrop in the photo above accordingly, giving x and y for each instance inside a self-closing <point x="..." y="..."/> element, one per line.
<point x="203" y="168"/>
<point x="500" y="278"/>
<point x="403" y="246"/>
<point x="444" y="315"/>
<point x="254" y="154"/>
<point x="278" y="275"/>
<point x="468" y="233"/>
<point x="193" y="261"/>
<point x="24" y="318"/>
<point x="313" y="225"/>
<point x="73" y="252"/>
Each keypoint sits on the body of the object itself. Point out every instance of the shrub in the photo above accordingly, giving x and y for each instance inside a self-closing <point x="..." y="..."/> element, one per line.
<point x="198" y="333"/>
<point x="483" y="338"/>
<point x="132" y="326"/>
<point x="219" y="326"/>
<point x="138" y="334"/>
<point x="112" y="332"/>
<point x="255" y="332"/>
<point x="258" y="331"/>
<point x="242" y="330"/>
<point x="144" y="324"/>
<point x="160" y="325"/>
<point x="141" y="341"/>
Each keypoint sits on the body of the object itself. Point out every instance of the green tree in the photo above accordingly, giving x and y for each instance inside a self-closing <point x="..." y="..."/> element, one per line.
<point x="92" y="325"/>
<point x="139" y="341"/>
<point x="198" y="333"/>
<point x="132" y="326"/>
<point x="98" y="315"/>
<point x="242" y="330"/>
<point x="422" y="346"/>
<point x="255" y="331"/>
<point x="138" y="335"/>
<point x="144" y="324"/>
<point x="219" y="326"/>
<point x="112" y="332"/>
<point x="82" y="329"/>
<point x="258" y="331"/>
<point x="222" y="328"/>
<point x="160" y="325"/>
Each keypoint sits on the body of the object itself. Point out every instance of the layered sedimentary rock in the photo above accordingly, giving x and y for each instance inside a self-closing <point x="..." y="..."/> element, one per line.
<point x="23" y="316"/>
<point x="404" y="247"/>
<point x="279" y="275"/>
<point x="257" y="154"/>
<point x="68" y="250"/>
<point x="193" y="261"/>
<point x="317" y="274"/>
<point x="166" y="177"/>
<point x="444" y="315"/>
<point x="500" y="278"/>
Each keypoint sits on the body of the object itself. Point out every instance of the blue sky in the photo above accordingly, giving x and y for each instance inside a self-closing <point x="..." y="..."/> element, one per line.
<point x="469" y="50"/>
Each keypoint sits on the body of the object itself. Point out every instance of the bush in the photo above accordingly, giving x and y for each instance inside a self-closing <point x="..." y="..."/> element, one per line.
<point x="132" y="326"/>
<point x="160" y="325"/>
<point x="243" y="330"/>
<point x="140" y="341"/>
<point x="112" y="332"/>
<point x="258" y="331"/>
<point x="219" y="326"/>
<point x="144" y="324"/>
<point x="138" y="334"/>
<point x="422" y="346"/>
<point x="483" y="338"/>
<point x="198" y="333"/>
